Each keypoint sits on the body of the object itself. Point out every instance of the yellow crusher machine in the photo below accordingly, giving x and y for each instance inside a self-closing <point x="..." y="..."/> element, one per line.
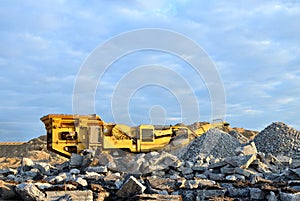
<point x="67" y="134"/>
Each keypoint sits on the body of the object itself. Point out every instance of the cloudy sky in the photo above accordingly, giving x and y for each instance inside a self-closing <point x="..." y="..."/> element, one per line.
<point x="254" y="46"/>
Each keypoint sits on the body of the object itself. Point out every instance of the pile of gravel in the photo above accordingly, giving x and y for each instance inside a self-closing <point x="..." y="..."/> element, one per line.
<point x="214" y="142"/>
<point x="279" y="139"/>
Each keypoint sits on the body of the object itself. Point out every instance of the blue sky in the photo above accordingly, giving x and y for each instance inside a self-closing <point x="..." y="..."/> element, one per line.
<point x="254" y="45"/>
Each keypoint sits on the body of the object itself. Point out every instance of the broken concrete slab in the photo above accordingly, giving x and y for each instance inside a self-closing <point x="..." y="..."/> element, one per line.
<point x="98" y="169"/>
<point x="163" y="161"/>
<point x="75" y="160"/>
<point x="228" y="169"/>
<point x="249" y="149"/>
<point x="205" y="194"/>
<point x="238" y="192"/>
<point x="29" y="192"/>
<point x="216" y="176"/>
<point x="131" y="187"/>
<point x="240" y="161"/>
<point x="162" y="183"/>
<point x="86" y="195"/>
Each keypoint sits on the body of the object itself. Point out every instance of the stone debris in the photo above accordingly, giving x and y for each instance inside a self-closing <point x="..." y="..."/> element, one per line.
<point x="215" y="166"/>
<point x="130" y="188"/>
<point x="29" y="192"/>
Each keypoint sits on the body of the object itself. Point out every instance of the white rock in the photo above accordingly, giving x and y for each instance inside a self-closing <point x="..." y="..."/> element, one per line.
<point x="27" y="162"/>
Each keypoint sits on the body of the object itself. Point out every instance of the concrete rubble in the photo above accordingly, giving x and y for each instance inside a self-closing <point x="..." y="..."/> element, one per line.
<point x="215" y="166"/>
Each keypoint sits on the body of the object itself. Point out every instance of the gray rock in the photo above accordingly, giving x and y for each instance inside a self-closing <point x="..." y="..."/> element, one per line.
<point x="199" y="168"/>
<point x="189" y="176"/>
<point x="256" y="194"/>
<point x="191" y="184"/>
<point x="131" y="187"/>
<point x="247" y="149"/>
<point x="289" y="196"/>
<point x="162" y="183"/>
<point x="29" y="192"/>
<point x="76" y="160"/>
<point x="98" y="169"/>
<point x="163" y="161"/>
<point x="238" y="192"/>
<point x="240" y="161"/>
<point x="217" y="165"/>
<point x="59" y="178"/>
<point x="188" y="164"/>
<point x="216" y="176"/>
<point x="186" y="170"/>
<point x="204" y="194"/>
<point x="271" y="196"/>
<point x="200" y="176"/>
<point x="44" y="168"/>
<point x="187" y="195"/>
<point x="228" y="169"/>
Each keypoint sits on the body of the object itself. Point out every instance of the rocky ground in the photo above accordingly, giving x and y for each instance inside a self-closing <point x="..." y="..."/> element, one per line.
<point x="233" y="164"/>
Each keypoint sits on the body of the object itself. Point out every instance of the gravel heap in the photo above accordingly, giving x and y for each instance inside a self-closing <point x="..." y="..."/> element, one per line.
<point x="214" y="142"/>
<point x="279" y="139"/>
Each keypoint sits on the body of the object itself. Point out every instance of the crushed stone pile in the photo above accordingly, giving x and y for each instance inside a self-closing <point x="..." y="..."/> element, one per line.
<point x="214" y="142"/>
<point x="36" y="149"/>
<point x="279" y="139"/>
<point x="36" y="144"/>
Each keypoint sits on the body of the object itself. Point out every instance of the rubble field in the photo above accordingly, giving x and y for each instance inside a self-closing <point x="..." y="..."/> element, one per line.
<point x="227" y="164"/>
